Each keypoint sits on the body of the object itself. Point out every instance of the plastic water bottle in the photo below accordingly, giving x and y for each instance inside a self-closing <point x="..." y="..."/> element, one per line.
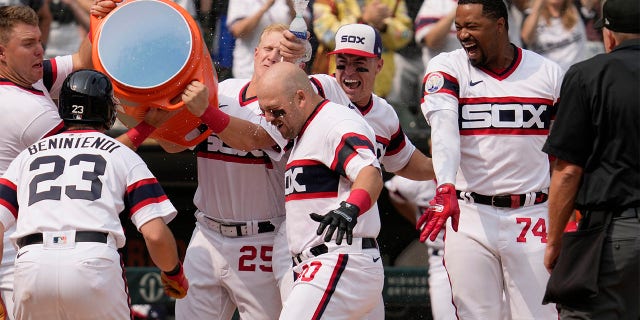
<point x="298" y="26"/>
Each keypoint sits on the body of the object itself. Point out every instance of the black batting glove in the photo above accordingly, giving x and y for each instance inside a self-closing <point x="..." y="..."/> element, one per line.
<point x="344" y="219"/>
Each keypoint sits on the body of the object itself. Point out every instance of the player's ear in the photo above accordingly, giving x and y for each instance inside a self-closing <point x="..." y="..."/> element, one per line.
<point x="299" y="97"/>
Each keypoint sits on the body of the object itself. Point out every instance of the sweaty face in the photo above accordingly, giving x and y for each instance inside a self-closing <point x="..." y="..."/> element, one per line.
<point x="267" y="53"/>
<point x="477" y="34"/>
<point x="21" y="58"/>
<point x="356" y="76"/>
<point x="281" y="112"/>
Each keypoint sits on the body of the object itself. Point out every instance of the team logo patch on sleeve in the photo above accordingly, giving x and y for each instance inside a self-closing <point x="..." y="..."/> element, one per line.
<point x="434" y="82"/>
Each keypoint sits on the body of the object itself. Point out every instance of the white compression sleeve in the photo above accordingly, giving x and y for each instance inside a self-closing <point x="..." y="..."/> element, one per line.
<point x="445" y="145"/>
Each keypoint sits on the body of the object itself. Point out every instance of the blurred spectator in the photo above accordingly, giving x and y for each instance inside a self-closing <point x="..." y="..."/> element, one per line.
<point x="69" y="26"/>
<point x="212" y="17"/>
<point x="516" y="16"/>
<point x="435" y="29"/>
<point x="406" y="88"/>
<point x="554" y="29"/>
<point x="41" y="7"/>
<point x="590" y="13"/>
<point x="246" y="19"/>
<point x="389" y="17"/>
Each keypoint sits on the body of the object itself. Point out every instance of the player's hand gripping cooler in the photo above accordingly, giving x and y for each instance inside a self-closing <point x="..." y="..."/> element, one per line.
<point x="151" y="50"/>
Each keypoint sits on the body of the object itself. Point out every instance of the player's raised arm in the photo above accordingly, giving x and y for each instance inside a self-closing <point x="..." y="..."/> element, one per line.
<point x="82" y="58"/>
<point x="238" y="133"/>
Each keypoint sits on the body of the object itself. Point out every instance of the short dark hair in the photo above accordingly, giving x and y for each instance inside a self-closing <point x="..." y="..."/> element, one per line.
<point x="494" y="9"/>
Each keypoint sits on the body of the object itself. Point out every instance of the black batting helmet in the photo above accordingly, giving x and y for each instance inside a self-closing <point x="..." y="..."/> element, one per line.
<point x="87" y="97"/>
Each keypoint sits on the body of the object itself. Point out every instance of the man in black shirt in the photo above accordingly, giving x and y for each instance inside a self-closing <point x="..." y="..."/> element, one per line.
<point x="596" y="140"/>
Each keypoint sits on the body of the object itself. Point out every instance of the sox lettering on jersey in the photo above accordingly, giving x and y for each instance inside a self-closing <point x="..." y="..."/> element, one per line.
<point x="493" y="118"/>
<point x="309" y="179"/>
<point x="291" y="184"/>
<point x="214" y="148"/>
<point x="214" y="144"/>
<point x="502" y="116"/>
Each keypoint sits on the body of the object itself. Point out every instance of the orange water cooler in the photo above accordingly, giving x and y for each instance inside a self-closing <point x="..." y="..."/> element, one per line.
<point x="151" y="49"/>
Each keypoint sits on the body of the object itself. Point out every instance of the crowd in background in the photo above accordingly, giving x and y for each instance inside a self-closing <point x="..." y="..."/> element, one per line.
<point x="561" y="30"/>
<point x="412" y="32"/>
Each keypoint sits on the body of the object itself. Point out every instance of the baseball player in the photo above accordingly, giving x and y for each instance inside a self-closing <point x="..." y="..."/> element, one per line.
<point x="490" y="106"/>
<point x="412" y="198"/>
<point x="64" y="194"/>
<point x="27" y="85"/>
<point x="358" y="64"/>
<point x="229" y="257"/>
<point x="332" y="168"/>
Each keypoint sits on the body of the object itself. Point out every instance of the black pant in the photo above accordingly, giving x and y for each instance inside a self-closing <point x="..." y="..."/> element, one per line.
<point x="619" y="277"/>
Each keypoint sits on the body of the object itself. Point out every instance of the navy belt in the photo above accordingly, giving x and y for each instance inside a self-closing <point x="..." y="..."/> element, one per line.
<point x="367" y="243"/>
<point x="503" y="201"/>
<point x="81" y="236"/>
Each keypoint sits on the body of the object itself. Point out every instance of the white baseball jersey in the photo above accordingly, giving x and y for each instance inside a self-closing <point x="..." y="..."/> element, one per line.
<point x="235" y="186"/>
<point x="80" y="180"/>
<point x="430" y="13"/>
<point x="333" y="146"/>
<point x="393" y="147"/>
<point x="503" y="119"/>
<point x="327" y="155"/>
<point x="30" y="114"/>
<point x="226" y="175"/>
<point x="71" y="182"/>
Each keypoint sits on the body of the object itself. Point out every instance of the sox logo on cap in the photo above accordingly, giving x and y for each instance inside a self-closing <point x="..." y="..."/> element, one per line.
<point x="358" y="39"/>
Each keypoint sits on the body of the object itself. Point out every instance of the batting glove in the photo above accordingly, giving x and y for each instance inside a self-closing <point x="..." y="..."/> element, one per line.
<point x="441" y="207"/>
<point x="344" y="219"/>
<point x="175" y="283"/>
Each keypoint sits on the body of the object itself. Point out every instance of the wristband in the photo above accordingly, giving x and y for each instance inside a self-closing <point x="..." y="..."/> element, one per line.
<point x="361" y="199"/>
<point x="215" y="119"/>
<point x="175" y="270"/>
<point x="139" y="133"/>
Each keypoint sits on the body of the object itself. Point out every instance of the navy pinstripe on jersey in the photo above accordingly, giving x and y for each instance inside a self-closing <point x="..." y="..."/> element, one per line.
<point x="307" y="179"/>
<point x="9" y="196"/>
<point x="347" y="149"/>
<point x="144" y="192"/>
<point x="396" y="144"/>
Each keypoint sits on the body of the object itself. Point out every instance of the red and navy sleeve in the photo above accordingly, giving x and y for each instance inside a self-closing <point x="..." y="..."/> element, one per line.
<point x="143" y="193"/>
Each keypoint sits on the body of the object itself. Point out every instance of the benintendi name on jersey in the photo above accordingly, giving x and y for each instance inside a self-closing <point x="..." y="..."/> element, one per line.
<point x="66" y="142"/>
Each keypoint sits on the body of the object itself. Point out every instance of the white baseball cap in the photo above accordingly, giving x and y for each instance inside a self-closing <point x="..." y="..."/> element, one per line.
<point x="358" y="39"/>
